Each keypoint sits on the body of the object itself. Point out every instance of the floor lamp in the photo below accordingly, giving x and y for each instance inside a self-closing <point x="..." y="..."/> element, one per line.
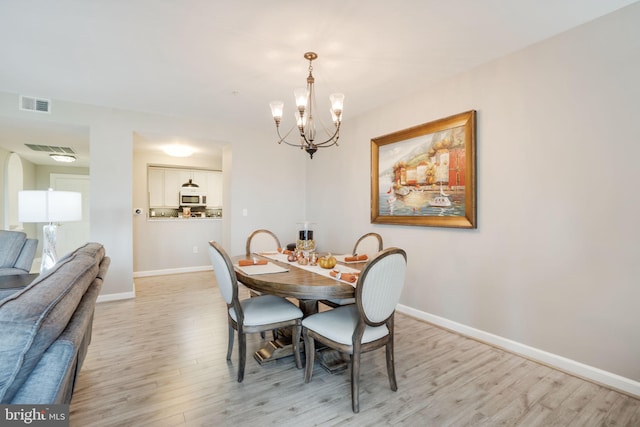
<point x="49" y="207"/>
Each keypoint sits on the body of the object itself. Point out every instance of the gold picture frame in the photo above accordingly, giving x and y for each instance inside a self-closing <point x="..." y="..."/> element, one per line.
<point x="426" y="175"/>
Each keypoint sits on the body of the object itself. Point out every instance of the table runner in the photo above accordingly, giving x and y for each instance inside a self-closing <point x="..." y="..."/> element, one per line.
<point x="313" y="268"/>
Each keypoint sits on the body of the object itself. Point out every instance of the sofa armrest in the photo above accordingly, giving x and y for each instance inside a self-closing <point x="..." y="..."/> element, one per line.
<point x="28" y="253"/>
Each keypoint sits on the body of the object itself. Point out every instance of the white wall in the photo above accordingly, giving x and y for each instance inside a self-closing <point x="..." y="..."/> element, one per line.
<point x="257" y="176"/>
<point x="554" y="261"/>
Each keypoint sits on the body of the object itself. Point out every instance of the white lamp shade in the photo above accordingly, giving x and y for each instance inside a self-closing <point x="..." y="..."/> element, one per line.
<point x="49" y="206"/>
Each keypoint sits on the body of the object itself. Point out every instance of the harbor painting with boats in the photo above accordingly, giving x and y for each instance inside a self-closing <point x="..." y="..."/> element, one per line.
<point x="425" y="175"/>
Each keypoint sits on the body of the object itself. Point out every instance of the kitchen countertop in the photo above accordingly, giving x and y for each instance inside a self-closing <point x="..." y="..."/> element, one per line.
<point x="174" y="218"/>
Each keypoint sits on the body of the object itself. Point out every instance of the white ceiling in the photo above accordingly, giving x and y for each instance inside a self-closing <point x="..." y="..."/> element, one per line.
<point x="228" y="59"/>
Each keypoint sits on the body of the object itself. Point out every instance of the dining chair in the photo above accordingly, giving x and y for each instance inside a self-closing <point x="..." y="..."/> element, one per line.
<point x="368" y="244"/>
<point x="364" y="326"/>
<point x="262" y="241"/>
<point x="252" y="315"/>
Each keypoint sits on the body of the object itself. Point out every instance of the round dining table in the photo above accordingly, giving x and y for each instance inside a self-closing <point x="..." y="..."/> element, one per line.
<point x="304" y="285"/>
<point x="308" y="288"/>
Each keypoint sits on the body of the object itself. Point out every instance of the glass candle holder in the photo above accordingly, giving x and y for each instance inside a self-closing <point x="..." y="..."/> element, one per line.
<point x="305" y="242"/>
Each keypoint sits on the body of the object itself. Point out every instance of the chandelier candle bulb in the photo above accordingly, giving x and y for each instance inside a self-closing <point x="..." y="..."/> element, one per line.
<point x="276" y="111"/>
<point x="337" y="100"/>
<point x="334" y="117"/>
<point x="301" y="99"/>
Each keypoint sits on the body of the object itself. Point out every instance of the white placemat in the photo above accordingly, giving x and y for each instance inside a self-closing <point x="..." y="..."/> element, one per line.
<point x="269" y="267"/>
<point x="341" y="258"/>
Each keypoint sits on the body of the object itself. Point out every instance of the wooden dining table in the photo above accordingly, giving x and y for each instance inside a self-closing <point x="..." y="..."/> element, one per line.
<point x="308" y="288"/>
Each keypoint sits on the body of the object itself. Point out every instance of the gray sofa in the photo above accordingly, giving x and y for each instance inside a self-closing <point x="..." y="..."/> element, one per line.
<point x="45" y="329"/>
<point x="16" y="252"/>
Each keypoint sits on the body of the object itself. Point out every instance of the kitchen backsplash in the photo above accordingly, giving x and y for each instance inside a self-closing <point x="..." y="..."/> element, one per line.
<point x="161" y="213"/>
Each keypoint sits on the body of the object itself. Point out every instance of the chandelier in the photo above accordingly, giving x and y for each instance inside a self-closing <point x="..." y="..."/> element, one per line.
<point x="305" y="120"/>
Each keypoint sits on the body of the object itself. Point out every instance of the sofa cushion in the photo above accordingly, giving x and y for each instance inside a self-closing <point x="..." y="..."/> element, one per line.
<point x="31" y="319"/>
<point x="52" y="371"/>
<point x="11" y="243"/>
<point x="92" y="249"/>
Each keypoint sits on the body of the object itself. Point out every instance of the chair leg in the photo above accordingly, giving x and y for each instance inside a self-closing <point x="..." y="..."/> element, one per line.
<point x="355" y="380"/>
<point x="230" y="344"/>
<point x="242" y="349"/>
<point x="391" y="369"/>
<point x="297" y="330"/>
<point x="309" y="350"/>
<point x="274" y="334"/>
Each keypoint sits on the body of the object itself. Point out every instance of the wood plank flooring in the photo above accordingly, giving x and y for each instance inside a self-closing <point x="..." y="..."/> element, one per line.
<point x="160" y="360"/>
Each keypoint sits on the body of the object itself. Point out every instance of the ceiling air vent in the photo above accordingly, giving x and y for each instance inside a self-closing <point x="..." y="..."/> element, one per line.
<point x="39" y="105"/>
<point x="51" y="149"/>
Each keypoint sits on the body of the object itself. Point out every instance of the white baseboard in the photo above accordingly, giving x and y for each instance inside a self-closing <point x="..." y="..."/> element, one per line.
<point x="116" y="297"/>
<point x="599" y="376"/>
<point x="171" y="271"/>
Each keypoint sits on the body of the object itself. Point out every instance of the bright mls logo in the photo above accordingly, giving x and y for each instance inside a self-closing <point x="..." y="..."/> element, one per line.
<point x="34" y="415"/>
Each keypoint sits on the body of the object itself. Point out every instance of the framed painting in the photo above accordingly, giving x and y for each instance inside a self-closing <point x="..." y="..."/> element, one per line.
<point x="426" y="175"/>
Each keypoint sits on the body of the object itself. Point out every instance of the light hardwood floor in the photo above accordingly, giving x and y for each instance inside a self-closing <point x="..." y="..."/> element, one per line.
<point x="159" y="360"/>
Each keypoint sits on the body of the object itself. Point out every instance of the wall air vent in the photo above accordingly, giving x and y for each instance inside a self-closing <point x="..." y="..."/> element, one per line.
<point x="39" y="105"/>
<point x="51" y="149"/>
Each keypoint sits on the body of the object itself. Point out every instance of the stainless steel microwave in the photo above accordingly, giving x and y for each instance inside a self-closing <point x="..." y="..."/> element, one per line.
<point x="192" y="197"/>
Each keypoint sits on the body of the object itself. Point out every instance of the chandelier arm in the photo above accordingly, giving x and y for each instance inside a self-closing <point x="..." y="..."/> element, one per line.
<point x="333" y="139"/>
<point x="335" y="142"/>
<point x="282" y="138"/>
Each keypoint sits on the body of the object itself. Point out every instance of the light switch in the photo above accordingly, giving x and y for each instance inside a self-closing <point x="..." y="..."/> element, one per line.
<point x="245" y="212"/>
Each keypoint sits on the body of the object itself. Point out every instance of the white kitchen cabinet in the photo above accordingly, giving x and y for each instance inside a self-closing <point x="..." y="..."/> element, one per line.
<point x="164" y="184"/>
<point x="172" y="183"/>
<point x="185" y="176"/>
<point x="214" y="189"/>
<point x="200" y="178"/>
<point x="155" y="183"/>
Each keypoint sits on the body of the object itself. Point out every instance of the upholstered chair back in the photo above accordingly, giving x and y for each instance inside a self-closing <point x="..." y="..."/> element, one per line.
<point x="369" y="244"/>
<point x="262" y="241"/>
<point x="222" y="268"/>
<point x="380" y="285"/>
